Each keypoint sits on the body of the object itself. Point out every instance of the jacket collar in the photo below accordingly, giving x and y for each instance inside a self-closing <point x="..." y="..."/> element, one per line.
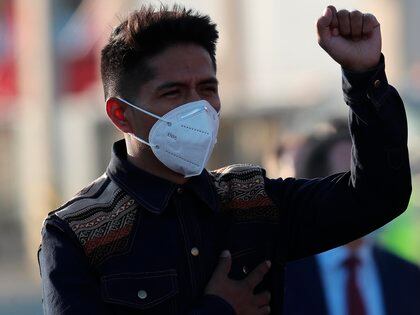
<point x="153" y="192"/>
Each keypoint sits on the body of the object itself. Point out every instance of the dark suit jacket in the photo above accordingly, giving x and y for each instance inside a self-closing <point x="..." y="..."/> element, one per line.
<point x="400" y="282"/>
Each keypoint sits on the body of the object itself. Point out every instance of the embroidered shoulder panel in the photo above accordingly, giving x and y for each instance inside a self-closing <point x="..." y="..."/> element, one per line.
<point x="102" y="217"/>
<point x="241" y="189"/>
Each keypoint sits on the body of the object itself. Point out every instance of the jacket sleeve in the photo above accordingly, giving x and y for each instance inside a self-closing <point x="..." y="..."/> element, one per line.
<point x="68" y="284"/>
<point x="323" y="213"/>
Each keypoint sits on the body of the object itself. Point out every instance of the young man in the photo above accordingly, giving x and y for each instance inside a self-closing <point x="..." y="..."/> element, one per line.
<point x="158" y="234"/>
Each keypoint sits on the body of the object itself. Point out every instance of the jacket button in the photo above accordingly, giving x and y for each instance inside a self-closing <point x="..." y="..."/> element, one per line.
<point x="180" y="190"/>
<point x="377" y="84"/>
<point x="142" y="294"/>
<point x="195" y="252"/>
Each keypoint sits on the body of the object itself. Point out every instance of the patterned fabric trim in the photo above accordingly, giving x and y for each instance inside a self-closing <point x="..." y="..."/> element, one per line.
<point x="241" y="189"/>
<point x="102" y="216"/>
<point x="102" y="224"/>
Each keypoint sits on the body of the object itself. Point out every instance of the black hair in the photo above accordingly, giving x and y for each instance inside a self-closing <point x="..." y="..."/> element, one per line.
<point x="145" y="33"/>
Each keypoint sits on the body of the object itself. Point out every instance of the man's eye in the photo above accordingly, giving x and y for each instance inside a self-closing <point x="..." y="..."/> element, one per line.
<point x="171" y="93"/>
<point x="212" y="89"/>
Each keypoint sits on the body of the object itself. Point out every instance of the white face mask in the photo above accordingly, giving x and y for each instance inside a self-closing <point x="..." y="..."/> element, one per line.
<point x="183" y="139"/>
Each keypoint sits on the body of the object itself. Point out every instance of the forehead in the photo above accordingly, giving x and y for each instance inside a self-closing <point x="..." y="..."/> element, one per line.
<point x="183" y="62"/>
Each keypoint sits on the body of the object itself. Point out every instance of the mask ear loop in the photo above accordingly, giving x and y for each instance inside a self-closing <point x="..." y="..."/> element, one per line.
<point x="147" y="113"/>
<point x="144" y="111"/>
<point x="145" y="142"/>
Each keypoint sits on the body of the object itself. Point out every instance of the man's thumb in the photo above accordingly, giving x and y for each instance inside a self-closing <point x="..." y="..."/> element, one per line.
<point x="225" y="262"/>
<point x="324" y="22"/>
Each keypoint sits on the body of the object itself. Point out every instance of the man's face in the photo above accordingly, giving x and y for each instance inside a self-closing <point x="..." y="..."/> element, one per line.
<point x="183" y="73"/>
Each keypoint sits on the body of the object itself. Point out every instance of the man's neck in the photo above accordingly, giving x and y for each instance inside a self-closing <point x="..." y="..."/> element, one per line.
<point x="141" y="156"/>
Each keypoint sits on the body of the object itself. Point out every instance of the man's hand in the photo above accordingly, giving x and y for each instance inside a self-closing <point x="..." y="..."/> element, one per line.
<point x="240" y="294"/>
<point x="353" y="39"/>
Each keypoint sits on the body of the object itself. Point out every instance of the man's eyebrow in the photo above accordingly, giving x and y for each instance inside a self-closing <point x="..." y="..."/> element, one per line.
<point x="168" y="85"/>
<point x="209" y="81"/>
<point x="172" y="84"/>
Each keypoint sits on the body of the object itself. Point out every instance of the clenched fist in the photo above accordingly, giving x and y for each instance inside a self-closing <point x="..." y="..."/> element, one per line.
<point x="353" y="39"/>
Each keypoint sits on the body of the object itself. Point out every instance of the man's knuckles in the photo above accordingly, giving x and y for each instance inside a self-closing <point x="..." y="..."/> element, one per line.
<point x="356" y="15"/>
<point x="356" y="23"/>
<point x="369" y="23"/>
<point x="344" y="26"/>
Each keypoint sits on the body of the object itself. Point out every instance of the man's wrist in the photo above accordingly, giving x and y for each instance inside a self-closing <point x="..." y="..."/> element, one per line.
<point x="362" y="68"/>
<point x="360" y="86"/>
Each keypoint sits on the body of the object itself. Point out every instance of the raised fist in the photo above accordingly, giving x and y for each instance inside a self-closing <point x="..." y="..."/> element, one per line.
<point x="353" y="39"/>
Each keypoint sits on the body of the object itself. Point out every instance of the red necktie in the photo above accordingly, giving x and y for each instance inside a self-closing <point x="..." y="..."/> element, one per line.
<point x="355" y="303"/>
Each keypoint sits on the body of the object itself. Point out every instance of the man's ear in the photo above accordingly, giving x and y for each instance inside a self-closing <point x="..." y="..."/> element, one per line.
<point x="115" y="110"/>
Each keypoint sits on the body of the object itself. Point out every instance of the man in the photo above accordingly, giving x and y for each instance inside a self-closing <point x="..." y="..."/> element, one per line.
<point x="360" y="278"/>
<point x="145" y="238"/>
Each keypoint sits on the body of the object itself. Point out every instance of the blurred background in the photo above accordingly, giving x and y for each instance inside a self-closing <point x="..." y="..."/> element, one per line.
<point x="277" y="86"/>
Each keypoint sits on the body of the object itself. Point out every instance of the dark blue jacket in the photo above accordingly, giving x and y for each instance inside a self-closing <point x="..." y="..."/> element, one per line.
<point x="400" y="283"/>
<point x="132" y="243"/>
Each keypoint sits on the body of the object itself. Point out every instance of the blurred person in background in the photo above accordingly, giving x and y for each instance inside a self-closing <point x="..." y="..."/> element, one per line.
<point x="159" y="234"/>
<point x="360" y="278"/>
